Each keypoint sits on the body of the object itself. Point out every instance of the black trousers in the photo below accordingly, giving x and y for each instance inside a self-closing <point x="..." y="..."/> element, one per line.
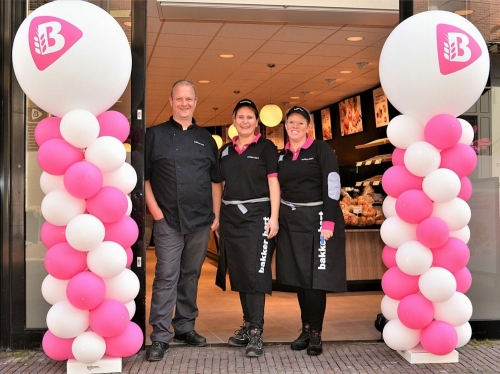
<point x="253" y="308"/>
<point x="312" y="307"/>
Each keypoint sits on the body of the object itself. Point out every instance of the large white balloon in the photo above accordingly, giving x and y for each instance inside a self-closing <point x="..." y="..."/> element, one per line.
<point x="88" y="347"/>
<point x="85" y="232"/>
<point x="456" y="213"/>
<point x="53" y="289"/>
<point x="399" y="337"/>
<point x="65" y="321"/>
<point x="449" y="61"/>
<point x="107" y="260"/>
<point x="50" y="182"/>
<point x="437" y="284"/>
<point x="413" y="258"/>
<point x="64" y="62"/>
<point x="422" y="158"/>
<point x="464" y="333"/>
<point x="79" y="128"/>
<point x="394" y="232"/>
<point x="124" y="287"/>
<point x="441" y="185"/>
<point x="457" y="310"/>
<point x="389" y="307"/>
<point x="404" y="130"/>
<point x="125" y="178"/>
<point x="467" y="132"/>
<point x="106" y="153"/>
<point x="59" y="207"/>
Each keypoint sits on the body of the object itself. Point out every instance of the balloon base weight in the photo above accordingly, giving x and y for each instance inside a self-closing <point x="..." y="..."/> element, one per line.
<point x="418" y="355"/>
<point x="107" y="364"/>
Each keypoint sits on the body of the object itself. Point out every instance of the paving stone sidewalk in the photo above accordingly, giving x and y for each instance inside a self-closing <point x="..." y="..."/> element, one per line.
<point x="338" y="357"/>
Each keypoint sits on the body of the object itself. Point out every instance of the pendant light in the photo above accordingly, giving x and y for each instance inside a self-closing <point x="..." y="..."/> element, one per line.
<point x="271" y="114"/>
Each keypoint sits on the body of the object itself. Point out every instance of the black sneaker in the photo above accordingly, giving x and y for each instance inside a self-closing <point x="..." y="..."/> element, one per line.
<point x="191" y="338"/>
<point x="254" y="347"/>
<point x="156" y="351"/>
<point x="240" y="338"/>
<point x="302" y="341"/>
<point x="315" y="346"/>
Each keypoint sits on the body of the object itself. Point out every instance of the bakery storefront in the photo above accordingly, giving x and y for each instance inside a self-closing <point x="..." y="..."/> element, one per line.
<point x="354" y="127"/>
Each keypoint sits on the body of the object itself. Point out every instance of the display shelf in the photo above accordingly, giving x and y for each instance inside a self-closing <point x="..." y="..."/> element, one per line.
<point x="374" y="143"/>
<point x="376" y="160"/>
<point x="373" y="181"/>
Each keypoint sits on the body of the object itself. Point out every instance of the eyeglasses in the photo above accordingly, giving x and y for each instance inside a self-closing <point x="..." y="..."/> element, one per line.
<point x="293" y="123"/>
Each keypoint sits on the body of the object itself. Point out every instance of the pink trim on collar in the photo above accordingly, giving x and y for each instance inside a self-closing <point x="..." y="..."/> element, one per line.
<point x="295" y="154"/>
<point x="240" y="151"/>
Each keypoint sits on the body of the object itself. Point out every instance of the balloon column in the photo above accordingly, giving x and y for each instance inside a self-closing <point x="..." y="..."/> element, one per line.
<point x="73" y="60"/>
<point x="433" y="67"/>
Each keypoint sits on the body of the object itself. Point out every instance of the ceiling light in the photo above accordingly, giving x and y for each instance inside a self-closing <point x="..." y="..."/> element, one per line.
<point x="304" y="93"/>
<point x="271" y="114"/>
<point x="329" y="81"/>
<point x="226" y="55"/>
<point x="464" y="12"/>
<point x="127" y="23"/>
<point x="345" y="71"/>
<point x="362" y="64"/>
<point x="354" y="38"/>
<point x="203" y="81"/>
<point x="294" y="97"/>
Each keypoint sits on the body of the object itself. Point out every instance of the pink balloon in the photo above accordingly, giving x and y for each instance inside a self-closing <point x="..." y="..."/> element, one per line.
<point x="397" y="284"/>
<point x="439" y="338"/>
<point x="109" y="319"/>
<point x="48" y="128"/>
<point x="130" y="257"/>
<point x="398" y="156"/>
<point x="115" y="124"/>
<point x="64" y="262"/>
<point x="51" y="234"/>
<point x="433" y="232"/>
<point x="109" y="204"/>
<point x="128" y="343"/>
<point x="443" y="131"/>
<point x="124" y="232"/>
<point x="85" y="290"/>
<point x="389" y="256"/>
<point x="56" y="348"/>
<point x="453" y="255"/>
<point x="464" y="279"/>
<point x="461" y="159"/>
<point x="83" y="180"/>
<point x="55" y="156"/>
<point x="465" y="189"/>
<point x="413" y="206"/>
<point x="398" y="179"/>
<point x="415" y="311"/>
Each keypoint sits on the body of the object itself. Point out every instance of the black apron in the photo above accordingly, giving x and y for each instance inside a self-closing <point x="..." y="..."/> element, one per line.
<point x="244" y="251"/>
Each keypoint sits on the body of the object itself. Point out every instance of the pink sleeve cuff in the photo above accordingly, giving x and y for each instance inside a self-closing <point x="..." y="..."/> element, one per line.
<point x="272" y="175"/>
<point x="328" y="225"/>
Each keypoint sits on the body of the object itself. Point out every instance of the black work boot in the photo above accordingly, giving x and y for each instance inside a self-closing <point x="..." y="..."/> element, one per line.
<point x="254" y="347"/>
<point x="303" y="340"/>
<point x="156" y="351"/>
<point x="240" y="338"/>
<point x="315" y="346"/>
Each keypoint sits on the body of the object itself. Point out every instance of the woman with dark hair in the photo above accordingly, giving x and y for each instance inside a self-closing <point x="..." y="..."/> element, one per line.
<point x="248" y="222"/>
<point x="310" y="253"/>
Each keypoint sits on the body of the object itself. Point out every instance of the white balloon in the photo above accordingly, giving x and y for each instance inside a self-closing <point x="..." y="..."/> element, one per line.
<point x="399" y="337"/>
<point x="422" y="158"/>
<point x="442" y="82"/>
<point x="457" y="310"/>
<point x="65" y="321"/>
<point x="85" y="232"/>
<point x="467" y="132"/>
<point x="389" y="206"/>
<point x="53" y="289"/>
<point x="59" y="207"/>
<point x="463" y="234"/>
<point x="464" y="333"/>
<point x="106" y="153"/>
<point x="50" y="182"/>
<point x="88" y="347"/>
<point x="404" y="130"/>
<point x="107" y="260"/>
<point x="389" y="307"/>
<point x="394" y="232"/>
<point x="125" y="178"/>
<point x="129" y="208"/>
<point x="413" y="258"/>
<point x="81" y="66"/>
<point x="131" y="307"/>
<point x="123" y="287"/>
<point x="456" y="213"/>
<point x="79" y="128"/>
<point x="437" y="284"/>
<point x="441" y="185"/>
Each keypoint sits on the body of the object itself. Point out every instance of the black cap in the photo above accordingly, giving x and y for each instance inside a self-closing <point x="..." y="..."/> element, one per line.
<point x="248" y="103"/>
<point x="300" y="110"/>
